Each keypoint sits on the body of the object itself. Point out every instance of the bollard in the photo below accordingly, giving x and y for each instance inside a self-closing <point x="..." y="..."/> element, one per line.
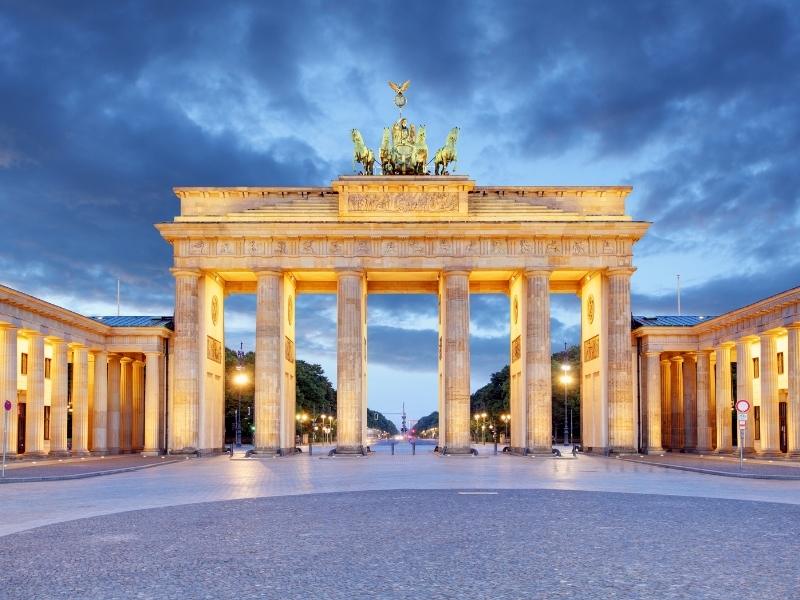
<point x="392" y="448"/>
<point x="413" y="448"/>
<point x="495" y="448"/>
<point x="310" y="448"/>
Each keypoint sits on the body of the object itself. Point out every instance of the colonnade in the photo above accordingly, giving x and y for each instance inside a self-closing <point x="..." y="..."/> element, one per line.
<point x="113" y="398"/>
<point x="690" y="395"/>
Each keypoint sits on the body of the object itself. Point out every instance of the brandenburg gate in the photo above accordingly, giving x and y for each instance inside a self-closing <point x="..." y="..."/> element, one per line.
<point x="414" y="234"/>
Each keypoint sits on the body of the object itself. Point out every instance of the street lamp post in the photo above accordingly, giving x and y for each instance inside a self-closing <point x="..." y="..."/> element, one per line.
<point x="566" y="380"/>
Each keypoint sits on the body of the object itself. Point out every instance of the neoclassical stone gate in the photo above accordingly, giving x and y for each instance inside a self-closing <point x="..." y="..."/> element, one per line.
<point x="404" y="234"/>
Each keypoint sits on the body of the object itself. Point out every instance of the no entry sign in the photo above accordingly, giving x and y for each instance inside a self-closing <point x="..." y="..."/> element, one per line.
<point x="742" y="406"/>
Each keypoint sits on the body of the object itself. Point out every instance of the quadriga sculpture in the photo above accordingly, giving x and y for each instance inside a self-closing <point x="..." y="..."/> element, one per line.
<point x="362" y="154"/>
<point x="446" y="154"/>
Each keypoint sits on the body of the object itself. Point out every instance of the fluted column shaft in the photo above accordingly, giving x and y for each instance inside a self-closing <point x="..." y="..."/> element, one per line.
<point x="704" y="429"/>
<point x="100" y="406"/>
<point x="351" y="357"/>
<point x="724" y="399"/>
<point x="770" y="443"/>
<point x="151" y="402"/>
<point x="621" y="430"/>
<point x="114" y="393"/>
<point x="59" y="410"/>
<point x="653" y="398"/>
<point x="690" y="401"/>
<point x="80" y="401"/>
<point x="537" y="362"/>
<point x="666" y="404"/>
<point x="793" y="376"/>
<point x="677" y="403"/>
<point x="125" y="403"/>
<point x="268" y="374"/>
<point x="8" y="385"/>
<point x="186" y="374"/>
<point x="744" y="389"/>
<point x="137" y="406"/>
<point x="34" y="415"/>
<point x="455" y="327"/>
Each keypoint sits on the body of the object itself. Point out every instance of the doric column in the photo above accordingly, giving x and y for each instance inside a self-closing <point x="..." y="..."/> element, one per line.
<point x="455" y="368"/>
<point x="724" y="398"/>
<point x="744" y="388"/>
<point x="621" y="430"/>
<point x="351" y="360"/>
<point x="793" y="375"/>
<point x="186" y="374"/>
<point x="704" y="429"/>
<point x="80" y="401"/>
<point x="690" y="401"/>
<point x="125" y="403"/>
<point x="100" y="405"/>
<point x="59" y="409"/>
<point x="34" y="414"/>
<point x="151" y="402"/>
<point x="8" y="385"/>
<point x="114" y="393"/>
<point x="653" y="399"/>
<point x="268" y="373"/>
<point x="137" y="406"/>
<point x="677" y="403"/>
<point x="666" y="403"/>
<point x="770" y="443"/>
<point x="537" y="363"/>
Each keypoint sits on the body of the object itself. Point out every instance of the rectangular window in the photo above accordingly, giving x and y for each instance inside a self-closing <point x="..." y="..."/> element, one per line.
<point x="23" y="363"/>
<point x="757" y="422"/>
<point x="780" y="363"/>
<point x="47" y="422"/>
<point x="47" y="362"/>
<point x="756" y="370"/>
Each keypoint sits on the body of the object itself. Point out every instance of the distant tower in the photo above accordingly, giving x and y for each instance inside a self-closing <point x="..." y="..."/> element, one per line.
<point x="403" y="428"/>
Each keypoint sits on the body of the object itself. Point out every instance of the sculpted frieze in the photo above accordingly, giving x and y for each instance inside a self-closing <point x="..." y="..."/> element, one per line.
<point x="402" y="202"/>
<point x="560" y="249"/>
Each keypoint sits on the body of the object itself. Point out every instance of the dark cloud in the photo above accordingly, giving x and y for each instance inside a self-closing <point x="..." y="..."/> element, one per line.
<point x="105" y="106"/>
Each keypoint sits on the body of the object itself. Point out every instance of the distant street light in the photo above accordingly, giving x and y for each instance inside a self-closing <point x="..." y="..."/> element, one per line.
<point x="240" y="380"/>
<point x="566" y="379"/>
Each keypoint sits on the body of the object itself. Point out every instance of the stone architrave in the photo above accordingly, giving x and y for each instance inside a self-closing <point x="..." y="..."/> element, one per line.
<point x="724" y="399"/>
<point x="34" y="415"/>
<point x="744" y="388"/>
<point x="8" y="383"/>
<point x="704" y="429"/>
<point x="80" y="401"/>
<point x="770" y="443"/>
<point x="537" y="363"/>
<point x="58" y="398"/>
<point x="114" y="394"/>
<point x="653" y="398"/>
<point x="100" y="406"/>
<point x="621" y="430"/>
<point x="351" y="361"/>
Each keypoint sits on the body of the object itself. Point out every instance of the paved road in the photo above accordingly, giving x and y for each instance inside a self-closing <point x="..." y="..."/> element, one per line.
<point x="428" y="544"/>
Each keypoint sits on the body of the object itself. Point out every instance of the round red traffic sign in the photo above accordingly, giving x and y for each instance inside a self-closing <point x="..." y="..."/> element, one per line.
<point x="742" y="406"/>
<point x="7" y="404"/>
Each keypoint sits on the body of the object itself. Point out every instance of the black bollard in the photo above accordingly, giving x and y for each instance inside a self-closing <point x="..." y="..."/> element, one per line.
<point x="392" y="448"/>
<point x="413" y="448"/>
<point x="495" y="448"/>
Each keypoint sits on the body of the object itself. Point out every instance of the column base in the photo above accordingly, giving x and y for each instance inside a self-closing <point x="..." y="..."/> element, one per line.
<point x="349" y="451"/>
<point x="151" y="453"/>
<point x="655" y="450"/>
<point x="770" y="454"/>
<point x="622" y="450"/>
<point x="81" y="453"/>
<point x="540" y="451"/>
<point x="458" y="451"/>
<point x="59" y="453"/>
<point x="182" y="451"/>
<point x="517" y="451"/>
<point x="35" y="454"/>
<point x="100" y="452"/>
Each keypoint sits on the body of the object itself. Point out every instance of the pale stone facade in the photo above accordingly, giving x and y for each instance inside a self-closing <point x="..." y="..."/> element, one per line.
<point x="43" y="347"/>
<point x="699" y="355"/>
<point x="434" y="235"/>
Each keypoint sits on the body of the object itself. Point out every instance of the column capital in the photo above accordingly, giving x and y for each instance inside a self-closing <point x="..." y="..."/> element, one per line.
<point x="349" y="273"/>
<point x="725" y="346"/>
<point x="651" y="353"/>
<point x="125" y="359"/>
<point x="137" y="362"/>
<point x="268" y="273"/>
<point x="613" y="271"/>
<point x="794" y="326"/>
<point x="55" y="341"/>
<point x="768" y="334"/>
<point x="665" y="361"/>
<point x="156" y="353"/>
<point x="456" y="271"/>
<point x="181" y="272"/>
<point x="12" y="326"/>
<point x="31" y="333"/>
<point x="677" y="359"/>
<point x="77" y="346"/>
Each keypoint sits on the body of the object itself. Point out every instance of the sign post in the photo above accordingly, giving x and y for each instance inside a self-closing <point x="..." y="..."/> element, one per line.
<point x="742" y="406"/>
<point x="6" y="414"/>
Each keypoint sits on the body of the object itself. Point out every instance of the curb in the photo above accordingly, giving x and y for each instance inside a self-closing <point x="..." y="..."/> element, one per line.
<point x="33" y="479"/>
<point x="712" y="472"/>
